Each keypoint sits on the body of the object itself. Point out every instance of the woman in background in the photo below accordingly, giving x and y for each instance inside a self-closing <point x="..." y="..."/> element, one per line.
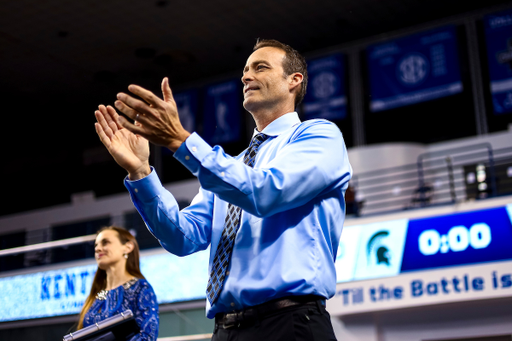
<point x="119" y="285"/>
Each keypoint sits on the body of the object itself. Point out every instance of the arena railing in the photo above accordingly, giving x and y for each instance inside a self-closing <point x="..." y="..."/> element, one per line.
<point x="41" y="247"/>
<point x="437" y="178"/>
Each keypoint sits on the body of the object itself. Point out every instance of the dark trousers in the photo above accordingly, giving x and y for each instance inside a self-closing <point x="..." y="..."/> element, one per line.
<point x="296" y="323"/>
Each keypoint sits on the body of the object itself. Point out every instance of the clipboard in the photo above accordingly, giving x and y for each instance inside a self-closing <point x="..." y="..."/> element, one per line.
<point x="118" y="327"/>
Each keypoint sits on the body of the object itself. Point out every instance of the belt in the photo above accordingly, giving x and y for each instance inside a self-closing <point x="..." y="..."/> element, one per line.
<point x="251" y="314"/>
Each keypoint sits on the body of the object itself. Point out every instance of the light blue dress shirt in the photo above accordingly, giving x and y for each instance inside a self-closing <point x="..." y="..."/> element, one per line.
<point x="293" y="211"/>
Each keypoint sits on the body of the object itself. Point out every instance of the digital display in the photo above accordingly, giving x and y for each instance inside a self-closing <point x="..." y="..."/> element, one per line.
<point x="380" y="249"/>
<point x="395" y="247"/>
<point x="464" y="238"/>
<point x="63" y="291"/>
<point x="347" y="253"/>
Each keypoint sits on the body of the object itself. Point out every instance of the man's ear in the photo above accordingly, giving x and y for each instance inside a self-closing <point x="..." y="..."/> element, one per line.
<point x="295" y="80"/>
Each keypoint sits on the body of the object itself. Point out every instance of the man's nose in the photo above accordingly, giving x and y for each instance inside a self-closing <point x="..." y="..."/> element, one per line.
<point x="247" y="77"/>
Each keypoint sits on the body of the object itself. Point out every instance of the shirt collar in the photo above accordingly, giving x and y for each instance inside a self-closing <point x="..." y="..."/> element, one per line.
<point x="280" y="125"/>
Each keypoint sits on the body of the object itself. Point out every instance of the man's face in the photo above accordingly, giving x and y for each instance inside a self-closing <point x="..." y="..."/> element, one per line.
<point x="265" y="84"/>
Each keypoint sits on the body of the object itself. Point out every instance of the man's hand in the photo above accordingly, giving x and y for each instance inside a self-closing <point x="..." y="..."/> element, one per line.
<point x="129" y="150"/>
<point x="158" y="119"/>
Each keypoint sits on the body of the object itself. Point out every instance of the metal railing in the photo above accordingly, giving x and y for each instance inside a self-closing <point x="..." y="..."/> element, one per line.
<point x="47" y="245"/>
<point x="437" y="178"/>
<point x="30" y="249"/>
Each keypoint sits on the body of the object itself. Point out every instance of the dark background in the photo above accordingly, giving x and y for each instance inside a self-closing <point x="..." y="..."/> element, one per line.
<point x="59" y="59"/>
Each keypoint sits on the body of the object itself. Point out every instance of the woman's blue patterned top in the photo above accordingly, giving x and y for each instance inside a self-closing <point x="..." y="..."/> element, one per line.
<point x="136" y="295"/>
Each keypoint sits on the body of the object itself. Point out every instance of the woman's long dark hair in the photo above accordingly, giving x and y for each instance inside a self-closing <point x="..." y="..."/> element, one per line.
<point x="100" y="279"/>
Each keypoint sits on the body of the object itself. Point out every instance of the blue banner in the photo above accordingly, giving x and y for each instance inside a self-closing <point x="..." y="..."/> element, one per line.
<point x="186" y="102"/>
<point x="414" y="69"/>
<point x="326" y="95"/>
<point x="222" y="113"/>
<point x="498" y="36"/>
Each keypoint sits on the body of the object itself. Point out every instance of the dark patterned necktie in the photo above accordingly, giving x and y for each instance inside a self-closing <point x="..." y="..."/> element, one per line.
<point x="222" y="257"/>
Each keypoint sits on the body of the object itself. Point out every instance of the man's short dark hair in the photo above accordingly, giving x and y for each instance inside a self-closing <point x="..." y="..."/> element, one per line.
<point x="292" y="62"/>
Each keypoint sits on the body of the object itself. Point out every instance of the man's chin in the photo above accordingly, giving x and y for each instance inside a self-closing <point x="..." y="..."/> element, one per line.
<point x="250" y="104"/>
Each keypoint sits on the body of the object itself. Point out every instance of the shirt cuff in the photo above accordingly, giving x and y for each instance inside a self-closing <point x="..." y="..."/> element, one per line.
<point x="146" y="188"/>
<point x="192" y="152"/>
